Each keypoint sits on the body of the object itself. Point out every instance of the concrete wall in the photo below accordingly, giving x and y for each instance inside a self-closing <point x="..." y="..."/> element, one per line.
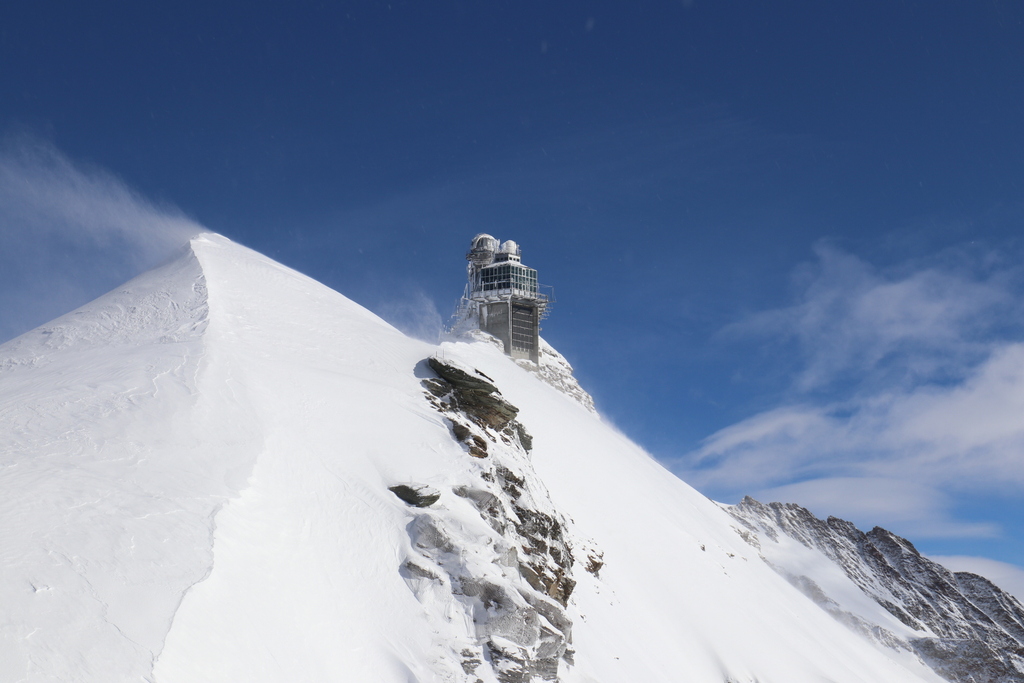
<point x="516" y="325"/>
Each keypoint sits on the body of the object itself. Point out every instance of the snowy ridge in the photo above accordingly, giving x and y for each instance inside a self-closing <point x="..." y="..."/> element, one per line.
<point x="960" y="624"/>
<point x="107" y="517"/>
<point x="554" y="369"/>
<point x="200" y="484"/>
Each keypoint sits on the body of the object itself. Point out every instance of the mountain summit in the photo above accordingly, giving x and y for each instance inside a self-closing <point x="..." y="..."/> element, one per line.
<point x="225" y="471"/>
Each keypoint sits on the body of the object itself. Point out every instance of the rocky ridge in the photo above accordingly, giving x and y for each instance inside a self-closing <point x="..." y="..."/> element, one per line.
<point x="964" y="627"/>
<point x="513" y="574"/>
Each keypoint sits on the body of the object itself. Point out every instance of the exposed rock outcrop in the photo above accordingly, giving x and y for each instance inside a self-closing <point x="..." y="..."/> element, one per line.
<point x="417" y="496"/>
<point x="515" y="583"/>
<point x="476" y="409"/>
<point x="471" y="392"/>
<point x="969" y="630"/>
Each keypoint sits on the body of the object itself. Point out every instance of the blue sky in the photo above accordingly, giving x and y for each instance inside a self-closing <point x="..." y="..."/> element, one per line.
<point x="785" y="237"/>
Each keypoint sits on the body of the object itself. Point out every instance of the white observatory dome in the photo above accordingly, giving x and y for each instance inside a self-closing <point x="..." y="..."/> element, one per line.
<point x="484" y="242"/>
<point x="510" y="247"/>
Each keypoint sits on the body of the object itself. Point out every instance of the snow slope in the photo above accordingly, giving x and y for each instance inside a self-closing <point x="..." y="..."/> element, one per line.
<point x="195" y="485"/>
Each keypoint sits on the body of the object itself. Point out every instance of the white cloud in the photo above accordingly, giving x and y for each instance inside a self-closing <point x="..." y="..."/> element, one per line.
<point x="69" y="232"/>
<point x="968" y="435"/>
<point x="1007" y="576"/>
<point x="909" y="391"/>
<point x="853" y="321"/>
<point x="971" y="430"/>
<point x="772" y="447"/>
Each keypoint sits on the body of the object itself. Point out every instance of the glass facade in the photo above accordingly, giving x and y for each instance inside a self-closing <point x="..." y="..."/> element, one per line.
<point x="507" y="276"/>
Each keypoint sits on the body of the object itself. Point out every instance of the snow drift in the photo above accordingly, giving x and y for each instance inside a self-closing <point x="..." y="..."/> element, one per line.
<point x="225" y="471"/>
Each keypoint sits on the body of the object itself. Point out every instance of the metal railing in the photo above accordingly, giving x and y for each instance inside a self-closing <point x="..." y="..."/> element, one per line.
<point x="541" y="295"/>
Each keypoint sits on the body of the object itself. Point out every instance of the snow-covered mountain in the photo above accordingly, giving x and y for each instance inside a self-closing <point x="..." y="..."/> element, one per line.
<point x="961" y="624"/>
<point x="225" y="471"/>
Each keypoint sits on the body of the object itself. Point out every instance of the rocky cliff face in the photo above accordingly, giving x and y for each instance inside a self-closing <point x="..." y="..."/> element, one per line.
<point x="960" y="624"/>
<point x="512" y="574"/>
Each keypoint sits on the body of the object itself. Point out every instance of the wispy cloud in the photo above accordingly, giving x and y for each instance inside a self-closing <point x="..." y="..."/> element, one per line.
<point x="69" y="232"/>
<point x="908" y="389"/>
<point x="927" y="320"/>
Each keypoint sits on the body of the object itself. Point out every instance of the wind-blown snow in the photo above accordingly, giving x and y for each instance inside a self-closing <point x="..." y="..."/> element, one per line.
<point x="195" y="474"/>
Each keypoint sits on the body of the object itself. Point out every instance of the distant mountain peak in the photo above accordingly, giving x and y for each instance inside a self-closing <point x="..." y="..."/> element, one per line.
<point x="960" y="624"/>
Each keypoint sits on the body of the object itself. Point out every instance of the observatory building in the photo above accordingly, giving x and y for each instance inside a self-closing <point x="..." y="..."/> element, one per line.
<point x="503" y="296"/>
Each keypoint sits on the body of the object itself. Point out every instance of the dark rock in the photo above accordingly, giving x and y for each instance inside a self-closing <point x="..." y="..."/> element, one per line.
<point x="968" y="661"/>
<point x="1001" y="607"/>
<point x="595" y="561"/>
<point x="978" y="628"/>
<point x="525" y="439"/>
<point x="415" y="570"/>
<point x="419" y="496"/>
<point x="510" y="483"/>
<point x="438" y="388"/>
<point x="460" y="431"/>
<point x="470" y="661"/>
<point x="548" y="567"/>
<point x="473" y="395"/>
<point x="460" y="378"/>
<point x="477" y="444"/>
